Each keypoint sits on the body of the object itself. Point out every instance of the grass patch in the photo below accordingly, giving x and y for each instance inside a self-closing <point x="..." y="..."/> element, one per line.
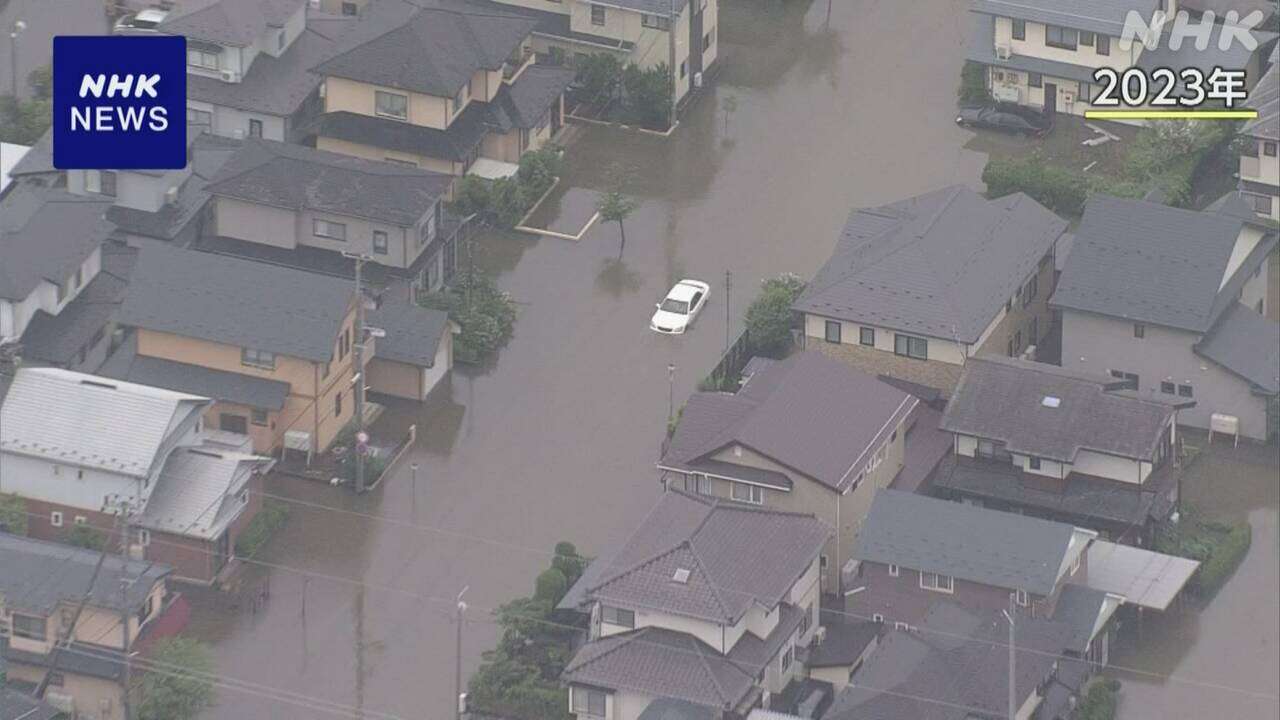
<point x="258" y="532"/>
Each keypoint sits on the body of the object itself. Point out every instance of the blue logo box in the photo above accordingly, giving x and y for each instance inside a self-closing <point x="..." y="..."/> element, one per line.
<point x="119" y="103"/>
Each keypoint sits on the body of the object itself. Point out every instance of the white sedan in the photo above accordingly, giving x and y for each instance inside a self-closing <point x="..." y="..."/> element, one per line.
<point x="676" y="313"/>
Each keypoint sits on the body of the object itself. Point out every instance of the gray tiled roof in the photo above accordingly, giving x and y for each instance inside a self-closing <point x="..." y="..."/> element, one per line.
<point x="273" y="85"/>
<point x="994" y="548"/>
<point x="941" y="264"/>
<point x="436" y="52"/>
<point x="237" y="302"/>
<point x="413" y="332"/>
<point x="302" y="178"/>
<point x="255" y="392"/>
<point x="669" y="709"/>
<point x="463" y="135"/>
<point x="1103" y="16"/>
<point x="1265" y="98"/>
<point x="46" y="234"/>
<point x="653" y="7"/>
<point x="846" y="639"/>
<point x="39" y="574"/>
<point x="981" y="48"/>
<point x="525" y="102"/>
<point x="1248" y="345"/>
<point x="1078" y="607"/>
<point x="16" y="705"/>
<point x="1148" y="262"/>
<point x="195" y="495"/>
<point x="56" y="339"/>
<point x="809" y="412"/>
<point x="661" y="663"/>
<point x="237" y="23"/>
<point x="38" y="160"/>
<point x="738" y="556"/>
<point x="1003" y="399"/>
<point x="958" y="673"/>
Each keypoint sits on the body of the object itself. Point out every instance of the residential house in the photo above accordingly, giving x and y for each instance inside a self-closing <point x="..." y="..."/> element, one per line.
<point x="806" y="434"/>
<point x="80" y="448"/>
<point x="289" y="203"/>
<point x="41" y="588"/>
<point x="636" y="31"/>
<point x="704" y="605"/>
<point x="273" y="346"/>
<point x="1238" y="204"/>
<point x="1173" y="301"/>
<point x="1043" y="53"/>
<point x="1259" y="157"/>
<point x="441" y="90"/>
<point x="955" y="666"/>
<point x="415" y="352"/>
<point x="50" y="252"/>
<point x="1053" y="443"/>
<point x="248" y="65"/>
<point x="916" y="287"/>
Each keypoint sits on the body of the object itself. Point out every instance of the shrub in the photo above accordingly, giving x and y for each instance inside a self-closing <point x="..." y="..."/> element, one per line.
<point x="599" y="76"/>
<point x="487" y="319"/>
<point x="507" y="202"/>
<point x="769" y="317"/>
<point x="86" y="537"/>
<point x="471" y="196"/>
<point x="374" y="466"/>
<point x="647" y="96"/>
<point x="568" y="561"/>
<point x="183" y="689"/>
<point x="550" y="586"/>
<point x="973" y="84"/>
<point x="1225" y="557"/>
<point x="1062" y="191"/>
<point x="255" y="535"/>
<point x="13" y="514"/>
<point x="1099" y="701"/>
<point x="539" y="170"/>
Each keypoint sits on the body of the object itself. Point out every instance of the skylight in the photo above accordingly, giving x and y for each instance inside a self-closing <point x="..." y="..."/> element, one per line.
<point x="1050" y="401"/>
<point x="681" y="576"/>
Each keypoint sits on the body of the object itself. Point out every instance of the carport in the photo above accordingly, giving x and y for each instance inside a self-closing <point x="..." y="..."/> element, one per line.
<point x="1142" y="577"/>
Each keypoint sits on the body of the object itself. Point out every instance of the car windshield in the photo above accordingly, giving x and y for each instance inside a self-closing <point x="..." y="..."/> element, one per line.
<point x="680" y="307"/>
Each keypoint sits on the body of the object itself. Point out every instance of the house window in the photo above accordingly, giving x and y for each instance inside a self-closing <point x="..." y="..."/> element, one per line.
<point x="30" y="627"/>
<point x="1168" y="388"/>
<point x="391" y="105"/>
<point x="1184" y="391"/>
<point x="337" y="405"/>
<point x="657" y="22"/>
<point x="100" y="182"/>
<point x="1139" y="330"/>
<point x="937" y="582"/>
<point x="597" y="15"/>
<point x="144" y="537"/>
<point x="80" y="520"/>
<point x="1103" y="45"/>
<point x="1035" y="79"/>
<point x="867" y="336"/>
<point x="1060" y="37"/>
<point x="1019" y="29"/>
<point x="785" y="663"/>
<point x="877" y="617"/>
<point x="1131" y="378"/>
<point x="700" y="484"/>
<point x="255" y="128"/>
<point x="461" y="98"/>
<point x="1029" y="292"/>
<point x="1021" y="597"/>
<point x="833" y="331"/>
<point x="254" y="357"/>
<point x="200" y="119"/>
<point x="258" y="417"/>
<point x="428" y="229"/>
<point x="684" y="68"/>
<point x="328" y="229"/>
<point x="1033" y="463"/>
<point x="706" y="40"/>
<point x="280" y="40"/>
<point x="1086" y="38"/>
<point x="349" y="8"/>
<point x="753" y="494"/>
<point x="1269" y="149"/>
<point x="55" y="518"/>
<point x="587" y="701"/>
<point x="202" y="59"/>
<point x="617" y="616"/>
<point x="380" y="242"/>
<point x="1261" y="203"/>
<point x="893" y="570"/>
<point x="806" y="620"/>
<point x="909" y="346"/>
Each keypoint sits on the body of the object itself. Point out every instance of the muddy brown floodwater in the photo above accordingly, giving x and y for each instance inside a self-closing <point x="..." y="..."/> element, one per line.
<point x="558" y="439"/>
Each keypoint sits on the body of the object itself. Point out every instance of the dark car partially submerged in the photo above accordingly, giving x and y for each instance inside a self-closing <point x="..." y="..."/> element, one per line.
<point x="1008" y="118"/>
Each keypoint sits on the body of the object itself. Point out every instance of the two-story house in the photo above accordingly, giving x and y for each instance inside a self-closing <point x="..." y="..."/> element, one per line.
<point x="706" y="604"/>
<point x="272" y="345"/>
<point x="1173" y="301"/>
<point x="50" y="252"/>
<point x="1066" y="446"/>
<point x="248" y="64"/>
<point x="287" y="203"/>
<point x="807" y="434"/>
<point x="440" y="90"/>
<point x="78" y="449"/>
<point x="681" y="34"/>
<point x="1259" y="157"/>
<point x="916" y="287"/>
<point x="40" y="590"/>
<point x="1043" y="53"/>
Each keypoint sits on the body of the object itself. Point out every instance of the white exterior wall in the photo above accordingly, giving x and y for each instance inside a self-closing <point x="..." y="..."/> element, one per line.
<point x="1263" y="168"/>
<point x="1088" y="462"/>
<point x="1123" y="54"/>
<point x="140" y="191"/>
<point x="1248" y="240"/>
<point x="443" y="363"/>
<point x="14" y="317"/>
<point x="34" y="478"/>
<point x="234" y="123"/>
<point x="942" y="350"/>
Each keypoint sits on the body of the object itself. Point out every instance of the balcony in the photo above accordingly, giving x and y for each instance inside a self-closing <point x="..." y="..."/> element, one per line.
<point x="512" y="68"/>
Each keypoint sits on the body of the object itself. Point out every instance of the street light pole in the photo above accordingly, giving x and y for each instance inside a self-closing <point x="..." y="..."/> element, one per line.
<point x="1013" y="675"/>
<point x="413" y="467"/>
<point x="18" y="27"/>
<point x="358" y="375"/>
<point x="671" y="392"/>
<point x="457" y="658"/>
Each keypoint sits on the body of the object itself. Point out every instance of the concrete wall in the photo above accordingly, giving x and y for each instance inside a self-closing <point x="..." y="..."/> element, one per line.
<point x="1098" y="344"/>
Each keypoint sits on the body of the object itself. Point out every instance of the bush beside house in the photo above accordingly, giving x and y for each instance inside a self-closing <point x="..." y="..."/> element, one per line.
<point x="1099" y="701"/>
<point x="1219" y="547"/>
<point x="13" y="514"/>
<point x="178" y="684"/>
<point x="265" y="524"/>
<point x="485" y="314"/>
<point x="505" y="201"/>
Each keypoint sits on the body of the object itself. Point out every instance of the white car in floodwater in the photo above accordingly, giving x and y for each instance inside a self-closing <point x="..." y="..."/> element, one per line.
<point x="676" y="312"/>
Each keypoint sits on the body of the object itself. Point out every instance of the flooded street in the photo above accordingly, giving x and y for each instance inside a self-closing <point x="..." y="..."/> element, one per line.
<point x="558" y="440"/>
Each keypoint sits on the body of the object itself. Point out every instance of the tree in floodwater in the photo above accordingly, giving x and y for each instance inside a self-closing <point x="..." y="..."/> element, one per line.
<point x="614" y="205"/>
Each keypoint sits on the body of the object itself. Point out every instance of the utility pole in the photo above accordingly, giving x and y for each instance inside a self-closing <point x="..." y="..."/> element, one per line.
<point x="671" y="392"/>
<point x="358" y="375"/>
<point x="125" y="705"/>
<point x="413" y="468"/>
<point x="728" y="331"/>
<point x="671" y="48"/>
<point x="457" y="657"/>
<point x="18" y="27"/>
<point x="1013" y="674"/>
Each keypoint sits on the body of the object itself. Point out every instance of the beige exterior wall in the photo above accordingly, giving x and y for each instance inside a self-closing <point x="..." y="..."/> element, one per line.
<point x="1263" y="168"/>
<point x="342" y="95"/>
<point x="1124" y="54"/>
<point x="311" y="404"/>
<point x="263" y="437"/>
<point x="94" y="698"/>
<point x="255" y="223"/>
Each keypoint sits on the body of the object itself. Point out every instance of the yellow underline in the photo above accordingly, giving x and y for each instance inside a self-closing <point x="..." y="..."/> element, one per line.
<point x="1170" y="114"/>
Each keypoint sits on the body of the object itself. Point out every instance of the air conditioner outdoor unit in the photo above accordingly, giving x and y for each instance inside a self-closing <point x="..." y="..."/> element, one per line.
<point x="229" y="76"/>
<point x="1006" y="93"/>
<point x="1068" y="98"/>
<point x="697" y="79"/>
<point x="1003" y="52"/>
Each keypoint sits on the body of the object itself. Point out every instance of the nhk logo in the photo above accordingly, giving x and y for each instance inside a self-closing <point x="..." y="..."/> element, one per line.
<point x="118" y="102"/>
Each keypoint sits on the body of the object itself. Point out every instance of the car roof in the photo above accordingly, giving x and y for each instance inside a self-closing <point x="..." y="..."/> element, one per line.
<point x="152" y="15"/>
<point x="683" y="291"/>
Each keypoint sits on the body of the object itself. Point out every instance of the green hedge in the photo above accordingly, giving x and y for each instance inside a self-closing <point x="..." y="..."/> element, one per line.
<point x="13" y="514"/>
<point x="269" y="519"/>
<point x="1227" y="554"/>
